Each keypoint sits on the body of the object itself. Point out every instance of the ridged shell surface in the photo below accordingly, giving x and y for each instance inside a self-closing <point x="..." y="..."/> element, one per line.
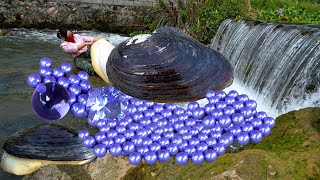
<point x="167" y="66"/>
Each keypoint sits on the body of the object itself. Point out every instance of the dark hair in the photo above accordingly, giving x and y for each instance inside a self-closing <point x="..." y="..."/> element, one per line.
<point x="62" y="33"/>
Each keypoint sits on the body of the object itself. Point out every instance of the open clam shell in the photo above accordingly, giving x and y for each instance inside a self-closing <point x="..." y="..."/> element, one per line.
<point x="167" y="66"/>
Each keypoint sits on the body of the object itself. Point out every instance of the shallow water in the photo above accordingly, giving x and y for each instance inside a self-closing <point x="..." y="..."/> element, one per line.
<point x="20" y="55"/>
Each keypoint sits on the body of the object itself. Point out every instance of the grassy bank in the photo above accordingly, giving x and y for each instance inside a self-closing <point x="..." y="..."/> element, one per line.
<point x="201" y="18"/>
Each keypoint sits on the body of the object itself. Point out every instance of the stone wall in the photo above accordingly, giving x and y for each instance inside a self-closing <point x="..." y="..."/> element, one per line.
<point x="114" y="16"/>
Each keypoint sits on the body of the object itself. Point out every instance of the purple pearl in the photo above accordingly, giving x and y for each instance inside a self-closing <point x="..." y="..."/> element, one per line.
<point x="57" y="72"/>
<point x="261" y="115"/>
<point x="197" y="157"/>
<point x="142" y="108"/>
<point x="147" y="141"/>
<point x="203" y="137"/>
<point x="168" y="134"/>
<point x="112" y="123"/>
<point x="210" y="155"/>
<point x="192" y="105"/>
<point x="156" y="118"/>
<point x="166" y="113"/>
<point x="229" y="101"/>
<point x="235" y="130"/>
<point x="194" y="141"/>
<point x="243" y="138"/>
<point x="164" y="142"/>
<point x="269" y="121"/>
<point x="198" y="113"/>
<point x="246" y="111"/>
<point x="237" y="119"/>
<point x="137" y="116"/>
<point x="228" y="110"/>
<point x="173" y="149"/>
<point x="247" y="127"/>
<point x="186" y="136"/>
<point x="198" y="126"/>
<point x="82" y="134"/>
<point x="162" y="122"/>
<point x="194" y="131"/>
<point x="99" y="136"/>
<point x="183" y="146"/>
<point x="101" y="122"/>
<point x="137" y="140"/>
<point x="221" y="95"/>
<point x="233" y="94"/>
<point x="242" y="98"/>
<point x="217" y="128"/>
<point x="238" y="105"/>
<point x="215" y="134"/>
<point x="209" y="94"/>
<point x="213" y="99"/>
<point x="100" y="150"/>
<point x="226" y="139"/>
<point x="49" y="79"/>
<point x="150" y="104"/>
<point x="157" y="108"/>
<point x="135" y="158"/>
<point x="120" y="129"/>
<point x="208" y="108"/>
<point x="256" y="122"/>
<point x="115" y="150"/>
<point x="78" y="110"/>
<point x="178" y="111"/>
<point x="205" y="130"/>
<point x="183" y="116"/>
<point x="155" y="147"/>
<point x="177" y="140"/>
<point x="45" y="71"/>
<point x="142" y="132"/>
<point x="129" y="133"/>
<point x="112" y="133"/>
<point x="33" y="80"/>
<point x="119" y="139"/>
<point x="183" y="129"/>
<point x="209" y="121"/>
<point x="145" y="121"/>
<point x="89" y="141"/>
<point x="182" y="158"/>
<point x="150" y="157"/>
<point x="82" y="98"/>
<point x="170" y="106"/>
<point x="220" y="149"/>
<point x="224" y="121"/>
<point x="202" y="147"/>
<point x="131" y="109"/>
<point x="66" y="67"/>
<point x="211" y="142"/>
<point x="149" y="113"/>
<point x="75" y="89"/>
<point x="256" y="136"/>
<point x="189" y="113"/>
<point x="128" y="118"/>
<point x="85" y="86"/>
<point x="74" y="79"/>
<point x="172" y="119"/>
<point x="190" y="149"/>
<point x="104" y="128"/>
<point x="251" y="104"/>
<point x="45" y="62"/>
<point x="163" y="155"/>
<point x="107" y="141"/>
<point x="159" y="130"/>
<point x="152" y="126"/>
<point x="216" y="113"/>
<point x="143" y="149"/>
<point x="221" y="105"/>
<point x="190" y="122"/>
<point x="265" y="129"/>
<point x="128" y="147"/>
<point x="84" y="76"/>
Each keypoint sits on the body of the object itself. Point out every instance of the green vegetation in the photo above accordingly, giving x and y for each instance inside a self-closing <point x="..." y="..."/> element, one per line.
<point x="201" y="18"/>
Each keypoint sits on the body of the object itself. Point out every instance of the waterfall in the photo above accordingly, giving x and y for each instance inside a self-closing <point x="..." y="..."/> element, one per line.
<point x="279" y="63"/>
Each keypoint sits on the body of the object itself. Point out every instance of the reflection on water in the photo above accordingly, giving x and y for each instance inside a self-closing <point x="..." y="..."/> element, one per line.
<point x="20" y="55"/>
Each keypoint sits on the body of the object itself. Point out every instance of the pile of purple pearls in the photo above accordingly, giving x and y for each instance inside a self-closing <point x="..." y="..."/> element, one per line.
<point x="156" y="131"/>
<point x="77" y="85"/>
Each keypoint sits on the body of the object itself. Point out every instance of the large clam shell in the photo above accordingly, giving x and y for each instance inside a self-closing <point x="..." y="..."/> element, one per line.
<point x="48" y="142"/>
<point x="167" y="66"/>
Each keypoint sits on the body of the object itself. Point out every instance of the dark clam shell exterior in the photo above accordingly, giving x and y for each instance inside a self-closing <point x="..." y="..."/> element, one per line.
<point x="48" y="142"/>
<point x="169" y="66"/>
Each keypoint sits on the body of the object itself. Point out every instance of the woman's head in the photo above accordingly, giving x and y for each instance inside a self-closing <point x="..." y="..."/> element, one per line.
<point x="65" y="34"/>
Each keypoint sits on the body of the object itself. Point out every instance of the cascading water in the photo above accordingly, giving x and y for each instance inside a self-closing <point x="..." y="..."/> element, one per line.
<point x="278" y="64"/>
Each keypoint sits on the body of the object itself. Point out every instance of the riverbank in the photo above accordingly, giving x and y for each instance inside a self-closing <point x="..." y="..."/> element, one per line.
<point x="116" y="16"/>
